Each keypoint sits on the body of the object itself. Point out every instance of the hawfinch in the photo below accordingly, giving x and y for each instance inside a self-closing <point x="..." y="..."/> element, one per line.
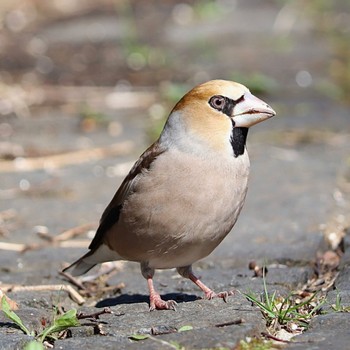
<point x="185" y="192"/>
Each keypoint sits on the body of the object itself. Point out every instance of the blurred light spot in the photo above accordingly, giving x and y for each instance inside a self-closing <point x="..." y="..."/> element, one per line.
<point x="20" y="264"/>
<point x="44" y="65"/>
<point x="40" y="229"/>
<point x="303" y="78"/>
<point x="156" y="111"/>
<point x="24" y="185"/>
<point x="21" y="163"/>
<point x="123" y="85"/>
<point x="116" y="100"/>
<point x="37" y="46"/>
<point x="121" y="169"/>
<point x="90" y="234"/>
<point x="16" y="20"/>
<point x="182" y="14"/>
<point x="98" y="171"/>
<point x="136" y="61"/>
<point x="286" y="19"/>
<point x="338" y="197"/>
<point x="110" y="171"/>
<point x="115" y="129"/>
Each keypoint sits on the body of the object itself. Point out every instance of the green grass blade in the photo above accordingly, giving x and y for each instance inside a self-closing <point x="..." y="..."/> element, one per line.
<point x="138" y="337"/>
<point x="337" y="299"/>
<point x="306" y="302"/>
<point x="13" y="316"/>
<point x="317" y="307"/>
<point x="264" y="308"/>
<point x="61" y="323"/>
<point x="185" y="328"/>
<point x="34" y="345"/>
<point x="267" y="298"/>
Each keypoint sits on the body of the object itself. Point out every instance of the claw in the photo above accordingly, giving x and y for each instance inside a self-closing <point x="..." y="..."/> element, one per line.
<point x="157" y="303"/>
<point x="224" y="295"/>
<point x="209" y="294"/>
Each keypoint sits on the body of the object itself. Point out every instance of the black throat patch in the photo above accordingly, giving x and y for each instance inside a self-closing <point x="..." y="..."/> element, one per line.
<point x="238" y="140"/>
<point x="230" y="105"/>
<point x="226" y="105"/>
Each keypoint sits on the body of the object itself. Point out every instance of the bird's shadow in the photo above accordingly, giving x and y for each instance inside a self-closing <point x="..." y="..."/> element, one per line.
<point x="142" y="298"/>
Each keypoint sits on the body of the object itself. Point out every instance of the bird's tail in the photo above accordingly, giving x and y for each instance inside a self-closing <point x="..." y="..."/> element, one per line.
<point x="80" y="266"/>
<point x="102" y="254"/>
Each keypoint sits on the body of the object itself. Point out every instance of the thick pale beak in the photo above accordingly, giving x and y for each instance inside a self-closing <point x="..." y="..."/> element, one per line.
<point x="250" y="111"/>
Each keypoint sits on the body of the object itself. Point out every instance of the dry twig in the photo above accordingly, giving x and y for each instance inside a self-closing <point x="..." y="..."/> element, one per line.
<point x="75" y="231"/>
<point x="46" y="287"/>
<point x="73" y="280"/>
<point x="95" y="315"/>
<point x="230" y="323"/>
<point x="70" y="158"/>
<point x="269" y="336"/>
<point x="22" y="248"/>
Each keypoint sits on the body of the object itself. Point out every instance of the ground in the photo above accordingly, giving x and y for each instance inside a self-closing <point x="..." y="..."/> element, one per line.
<point x="84" y="90"/>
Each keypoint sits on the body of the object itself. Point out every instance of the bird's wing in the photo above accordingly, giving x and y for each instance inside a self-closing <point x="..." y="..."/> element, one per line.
<point x="111" y="214"/>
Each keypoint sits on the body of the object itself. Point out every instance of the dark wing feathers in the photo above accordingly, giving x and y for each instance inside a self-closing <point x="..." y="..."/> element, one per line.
<point x="111" y="214"/>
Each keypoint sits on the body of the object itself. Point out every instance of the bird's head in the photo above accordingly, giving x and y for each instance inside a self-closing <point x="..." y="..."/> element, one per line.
<point x="210" y="112"/>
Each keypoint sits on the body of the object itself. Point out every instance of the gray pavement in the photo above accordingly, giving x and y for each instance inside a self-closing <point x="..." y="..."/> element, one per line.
<point x="299" y="160"/>
<point x="290" y="195"/>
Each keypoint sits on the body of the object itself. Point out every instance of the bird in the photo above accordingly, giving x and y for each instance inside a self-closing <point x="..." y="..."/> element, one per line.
<point x="185" y="192"/>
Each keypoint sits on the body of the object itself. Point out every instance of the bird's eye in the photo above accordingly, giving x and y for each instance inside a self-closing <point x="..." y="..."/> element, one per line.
<point x="217" y="102"/>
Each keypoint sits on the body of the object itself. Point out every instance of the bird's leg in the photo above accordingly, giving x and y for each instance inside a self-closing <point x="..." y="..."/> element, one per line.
<point x="187" y="272"/>
<point x="155" y="301"/>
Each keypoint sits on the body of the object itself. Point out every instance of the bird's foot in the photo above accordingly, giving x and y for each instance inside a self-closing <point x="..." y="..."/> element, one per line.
<point x="157" y="303"/>
<point x="209" y="294"/>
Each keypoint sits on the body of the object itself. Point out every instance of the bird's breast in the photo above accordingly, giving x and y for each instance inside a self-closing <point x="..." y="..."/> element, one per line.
<point x="181" y="208"/>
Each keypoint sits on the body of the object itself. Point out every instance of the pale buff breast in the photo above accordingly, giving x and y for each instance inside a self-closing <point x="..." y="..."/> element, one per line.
<point x="191" y="205"/>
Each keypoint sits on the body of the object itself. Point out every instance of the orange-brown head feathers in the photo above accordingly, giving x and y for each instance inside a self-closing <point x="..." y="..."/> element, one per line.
<point x="209" y="112"/>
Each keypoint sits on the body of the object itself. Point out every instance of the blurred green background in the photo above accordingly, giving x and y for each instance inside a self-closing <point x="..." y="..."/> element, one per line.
<point x="82" y="74"/>
<point x="168" y="46"/>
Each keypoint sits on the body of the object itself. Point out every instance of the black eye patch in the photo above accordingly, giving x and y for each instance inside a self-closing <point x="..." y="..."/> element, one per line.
<point x="224" y="104"/>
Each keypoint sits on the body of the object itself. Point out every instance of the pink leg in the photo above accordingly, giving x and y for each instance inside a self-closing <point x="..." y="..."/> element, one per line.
<point x="209" y="294"/>
<point x="186" y="272"/>
<point x="156" y="302"/>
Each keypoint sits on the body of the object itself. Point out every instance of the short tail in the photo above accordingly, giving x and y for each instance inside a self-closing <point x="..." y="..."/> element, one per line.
<point x="92" y="258"/>
<point x="80" y="266"/>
